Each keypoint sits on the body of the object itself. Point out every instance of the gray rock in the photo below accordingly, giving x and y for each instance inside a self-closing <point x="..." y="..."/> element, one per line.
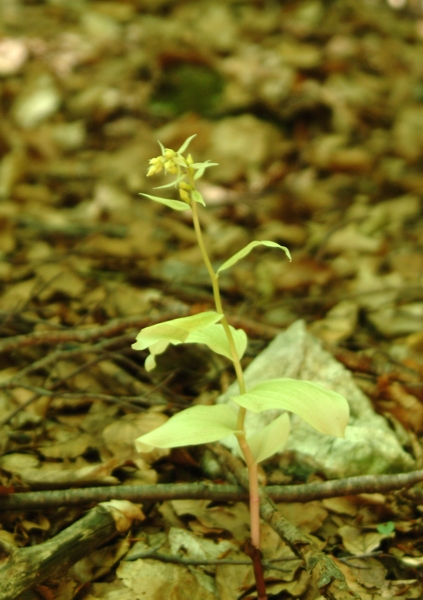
<point x="370" y="445"/>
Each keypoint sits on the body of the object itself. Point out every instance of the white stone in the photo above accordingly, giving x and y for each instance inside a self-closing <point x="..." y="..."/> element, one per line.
<point x="370" y="446"/>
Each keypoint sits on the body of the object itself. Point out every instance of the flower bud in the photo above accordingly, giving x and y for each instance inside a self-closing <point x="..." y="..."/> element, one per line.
<point x="170" y="167"/>
<point x="185" y="186"/>
<point x="184" y="196"/>
<point x="154" y="169"/>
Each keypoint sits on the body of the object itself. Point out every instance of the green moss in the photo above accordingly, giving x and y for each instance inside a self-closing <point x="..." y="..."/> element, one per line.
<point x="187" y="87"/>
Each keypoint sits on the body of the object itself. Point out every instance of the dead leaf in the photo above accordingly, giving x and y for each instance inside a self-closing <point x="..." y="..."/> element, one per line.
<point x="356" y="541"/>
<point x="308" y="517"/>
<point x="157" y="580"/>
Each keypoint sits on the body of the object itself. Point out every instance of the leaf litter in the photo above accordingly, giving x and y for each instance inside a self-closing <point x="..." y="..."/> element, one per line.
<point x="326" y="98"/>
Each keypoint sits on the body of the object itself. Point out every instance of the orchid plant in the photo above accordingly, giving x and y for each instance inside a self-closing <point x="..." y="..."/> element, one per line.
<point x="325" y="410"/>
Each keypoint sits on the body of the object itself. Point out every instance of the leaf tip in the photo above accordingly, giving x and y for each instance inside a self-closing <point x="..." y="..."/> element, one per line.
<point x="150" y="362"/>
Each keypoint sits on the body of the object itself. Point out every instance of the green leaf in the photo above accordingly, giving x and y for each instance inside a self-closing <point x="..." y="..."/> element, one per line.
<point x="157" y="337"/>
<point x="180" y="161"/>
<point x="204" y="164"/>
<point x="270" y="439"/>
<point x="201" y="167"/>
<point x="150" y="362"/>
<point x="195" y="425"/>
<point x="162" y="148"/>
<point x="323" y="409"/>
<point x="156" y="348"/>
<point x="174" y="331"/>
<point x="386" y="528"/>
<point x="236" y="257"/>
<point x="175" y="204"/>
<point x="159" y="346"/>
<point x="173" y="183"/>
<point x="197" y="197"/>
<point x="200" y="172"/>
<point x="215" y="338"/>
<point x="186" y="144"/>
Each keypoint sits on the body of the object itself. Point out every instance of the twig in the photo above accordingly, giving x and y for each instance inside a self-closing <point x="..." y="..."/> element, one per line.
<point x="182" y="560"/>
<point x="123" y="400"/>
<point x="112" y="328"/>
<point x="137" y="493"/>
<point x="347" y="559"/>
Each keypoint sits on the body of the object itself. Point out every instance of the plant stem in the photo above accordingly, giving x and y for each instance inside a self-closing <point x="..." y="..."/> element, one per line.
<point x="217" y="299"/>
<point x="253" y="489"/>
<point x="251" y="464"/>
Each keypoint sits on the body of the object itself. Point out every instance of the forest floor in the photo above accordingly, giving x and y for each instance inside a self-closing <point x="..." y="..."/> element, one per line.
<point x="313" y="111"/>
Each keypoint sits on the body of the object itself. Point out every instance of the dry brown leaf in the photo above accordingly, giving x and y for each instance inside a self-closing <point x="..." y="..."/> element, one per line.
<point x="339" y="323"/>
<point x="66" y="444"/>
<point x="100" y="562"/>
<point x="369" y="572"/>
<point x="308" y="517"/>
<point x="156" y="580"/>
<point x="341" y="506"/>
<point x="17" y="294"/>
<point x="216" y="519"/>
<point x="58" y="279"/>
<point x="356" y="541"/>
<point x="404" y="406"/>
<point x="120" y="435"/>
<point x="31" y="471"/>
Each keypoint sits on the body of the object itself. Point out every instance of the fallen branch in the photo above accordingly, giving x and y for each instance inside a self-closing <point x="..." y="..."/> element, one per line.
<point x="23" y="567"/>
<point x="230" y="493"/>
<point x="182" y="560"/>
<point x="54" y="337"/>
<point x="326" y="576"/>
